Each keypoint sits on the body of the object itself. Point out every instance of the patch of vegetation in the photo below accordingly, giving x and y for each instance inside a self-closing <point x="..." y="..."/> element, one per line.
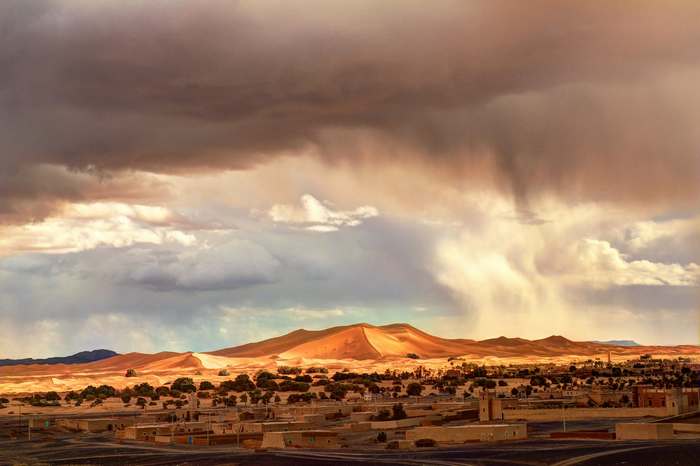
<point x="48" y="399"/>
<point x="183" y="384"/>
<point x="241" y="383"/>
<point x="291" y="386"/>
<point x="206" y="385"/>
<point x="301" y="397"/>
<point x="414" y="389"/>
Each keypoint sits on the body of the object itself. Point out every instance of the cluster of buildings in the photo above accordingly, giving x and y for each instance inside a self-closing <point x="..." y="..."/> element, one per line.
<point x="472" y="411"/>
<point x="341" y="424"/>
<point x="316" y="425"/>
<point x="588" y="403"/>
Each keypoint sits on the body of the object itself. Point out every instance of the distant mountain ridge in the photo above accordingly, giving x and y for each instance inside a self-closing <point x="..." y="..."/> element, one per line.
<point x="77" y="358"/>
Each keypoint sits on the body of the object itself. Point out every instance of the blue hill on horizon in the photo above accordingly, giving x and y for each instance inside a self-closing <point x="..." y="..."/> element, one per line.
<point x="619" y="343"/>
<point x="77" y="358"/>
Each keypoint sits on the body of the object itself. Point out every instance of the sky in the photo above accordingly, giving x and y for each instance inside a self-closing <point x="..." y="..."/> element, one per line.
<point x="179" y="175"/>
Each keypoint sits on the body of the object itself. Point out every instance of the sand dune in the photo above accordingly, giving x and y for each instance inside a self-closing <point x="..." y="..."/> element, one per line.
<point x="277" y="345"/>
<point x="365" y="342"/>
<point x="348" y="343"/>
<point x="209" y="361"/>
<point x="359" y="341"/>
<point x="357" y="346"/>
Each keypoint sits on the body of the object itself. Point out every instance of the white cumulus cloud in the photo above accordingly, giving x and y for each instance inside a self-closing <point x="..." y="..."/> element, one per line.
<point x="315" y="215"/>
<point x="87" y="226"/>
<point x="597" y="262"/>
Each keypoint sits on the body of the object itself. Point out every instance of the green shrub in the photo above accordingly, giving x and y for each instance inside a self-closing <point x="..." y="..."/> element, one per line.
<point x="183" y="384"/>
<point x="414" y="389"/>
<point x="206" y="385"/>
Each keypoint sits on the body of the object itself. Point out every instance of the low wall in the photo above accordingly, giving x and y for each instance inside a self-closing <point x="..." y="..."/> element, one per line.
<point x="89" y="425"/>
<point x="402" y="444"/>
<point x="301" y="439"/>
<point x="469" y="433"/>
<point x="362" y="416"/>
<point x="272" y="426"/>
<point x="690" y="428"/>
<point x="361" y="426"/>
<point x="644" y="431"/>
<point x="410" y="422"/>
<point x="202" y="439"/>
<point x="328" y="409"/>
<point x="584" y="435"/>
<point x="313" y="419"/>
<point x="576" y="414"/>
<point x="413" y="412"/>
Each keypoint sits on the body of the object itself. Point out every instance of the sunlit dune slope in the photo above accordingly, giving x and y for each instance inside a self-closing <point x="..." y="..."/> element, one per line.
<point x="276" y="345"/>
<point x="402" y="339"/>
<point x="348" y="343"/>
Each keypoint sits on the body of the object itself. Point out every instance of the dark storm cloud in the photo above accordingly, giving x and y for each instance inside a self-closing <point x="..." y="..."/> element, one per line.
<point x="30" y="192"/>
<point x="593" y="100"/>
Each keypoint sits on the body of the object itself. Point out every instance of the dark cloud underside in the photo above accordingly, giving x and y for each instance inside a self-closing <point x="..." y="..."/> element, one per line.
<point x="593" y="100"/>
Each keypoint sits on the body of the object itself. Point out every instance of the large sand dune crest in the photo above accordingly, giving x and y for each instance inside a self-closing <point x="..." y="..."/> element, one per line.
<point x="358" y="341"/>
<point x="364" y="341"/>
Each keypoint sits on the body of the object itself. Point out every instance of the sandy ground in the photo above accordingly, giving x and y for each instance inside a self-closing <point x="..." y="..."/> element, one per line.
<point x="209" y="367"/>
